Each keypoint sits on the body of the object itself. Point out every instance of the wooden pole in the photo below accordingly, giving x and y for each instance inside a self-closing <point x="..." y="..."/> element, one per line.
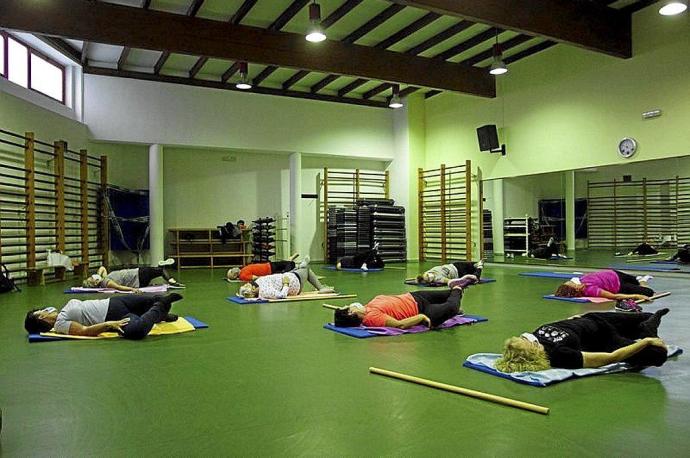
<point x="325" y="214"/>
<point x="387" y="185"/>
<point x="464" y="391"/>
<point x="656" y="296"/>
<point x="104" y="242"/>
<point x="468" y="208"/>
<point x="420" y="218"/>
<point x="443" y="213"/>
<point x="84" y="191"/>
<point x="333" y="307"/>
<point x="29" y="175"/>
<point x="59" y="171"/>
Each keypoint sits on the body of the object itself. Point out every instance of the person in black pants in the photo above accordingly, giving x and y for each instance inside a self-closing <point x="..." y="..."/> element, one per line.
<point x="132" y="316"/>
<point x="591" y="340"/>
<point x="365" y="260"/>
<point x="406" y="310"/>
<point x="682" y="256"/>
<point x="548" y="251"/>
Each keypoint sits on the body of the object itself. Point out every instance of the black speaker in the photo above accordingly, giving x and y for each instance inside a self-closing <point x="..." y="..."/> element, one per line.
<point x="488" y="137"/>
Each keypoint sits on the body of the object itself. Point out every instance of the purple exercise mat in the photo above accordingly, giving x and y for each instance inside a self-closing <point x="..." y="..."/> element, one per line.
<point x="455" y="321"/>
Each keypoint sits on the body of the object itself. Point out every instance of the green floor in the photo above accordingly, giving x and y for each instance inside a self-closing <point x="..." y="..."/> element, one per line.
<point x="268" y="380"/>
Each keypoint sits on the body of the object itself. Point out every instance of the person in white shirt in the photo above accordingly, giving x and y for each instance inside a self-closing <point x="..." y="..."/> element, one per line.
<point x="280" y="286"/>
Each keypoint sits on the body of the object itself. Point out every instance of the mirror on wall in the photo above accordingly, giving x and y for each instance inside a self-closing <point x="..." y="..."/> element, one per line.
<point x="591" y="217"/>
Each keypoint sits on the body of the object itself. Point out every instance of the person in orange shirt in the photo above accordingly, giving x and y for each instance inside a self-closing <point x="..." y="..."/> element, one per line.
<point x="406" y="310"/>
<point x="253" y="271"/>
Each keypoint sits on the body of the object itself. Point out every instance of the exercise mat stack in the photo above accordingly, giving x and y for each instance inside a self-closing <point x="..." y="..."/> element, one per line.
<point x="387" y="228"/>
<point x="363" y="228"/>
<point x="263" y="239"/>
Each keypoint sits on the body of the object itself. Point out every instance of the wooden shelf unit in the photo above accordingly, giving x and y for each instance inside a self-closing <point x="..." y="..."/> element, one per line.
<point x="202" y="248"/>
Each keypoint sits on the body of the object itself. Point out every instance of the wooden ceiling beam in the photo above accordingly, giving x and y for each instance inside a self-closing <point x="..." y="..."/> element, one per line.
<point x="581" y="23"/>
<point x="62" y="47"/>
<point x="194" y="8"/>
<point x="505" y="46"/>
<point x="125" y="51"/>
<point x="529" y="51"/>
<point x="156" y="30"/>
<point x="229" y="87"/>
<point x="377" y="90"/>
<point x="236" y="18"/>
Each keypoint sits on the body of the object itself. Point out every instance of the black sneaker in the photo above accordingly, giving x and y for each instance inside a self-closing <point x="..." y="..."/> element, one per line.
<point x="171" y="318"/>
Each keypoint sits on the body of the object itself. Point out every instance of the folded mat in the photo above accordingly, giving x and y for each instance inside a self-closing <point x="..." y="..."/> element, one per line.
<point x="647" y="267"/>
<point x="302" y="297"/>
<point x="565" y="275"/>
<point x="351" y="269"/>
<point x="185" y="324"/>
<point x="579" y="300"/>
<point x="363" y="332"/>
<point x="485" y="362"/>
<point x="414" y="282"/>
<point x="145" y="289"/>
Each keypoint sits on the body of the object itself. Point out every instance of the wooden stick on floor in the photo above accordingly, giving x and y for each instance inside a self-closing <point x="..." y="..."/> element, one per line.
<point x="464" y="391"/>
<point x="656" y="296"/>
<point x="332" y="307"/>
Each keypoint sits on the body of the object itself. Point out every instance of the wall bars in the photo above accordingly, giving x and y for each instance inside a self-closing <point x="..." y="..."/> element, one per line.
<point x="50" y="199"/>
<point x="623" y="214"/>
<point x="445" y="213"/>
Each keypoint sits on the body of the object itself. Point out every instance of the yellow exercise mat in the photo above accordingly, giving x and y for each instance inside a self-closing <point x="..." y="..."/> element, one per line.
<point x="159" y="329"/>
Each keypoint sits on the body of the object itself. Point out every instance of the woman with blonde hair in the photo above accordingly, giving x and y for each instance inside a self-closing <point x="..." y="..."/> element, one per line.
<point x="591" y="340"/>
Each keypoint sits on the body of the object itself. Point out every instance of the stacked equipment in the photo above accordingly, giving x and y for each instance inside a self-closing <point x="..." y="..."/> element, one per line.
<point x="387" y="228"/>
<point x="263" y="239"/>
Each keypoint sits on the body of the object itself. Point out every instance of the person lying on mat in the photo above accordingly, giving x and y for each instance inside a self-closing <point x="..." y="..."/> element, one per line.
<point x="591" y="340"/>
<point x="281" y="286"/>
<point x="365" y="260"/>
<point x="403" y="311"/>
<point x="682" y="256"/>
<point x="610" y="284"/>
<point x="130" y="279"/>
<point x="253" y="271"/>
<point x="446" y="272"/>
<point x="643" y="249"/>
<point x="546" y="252"/>
<point x="130" y="316"/>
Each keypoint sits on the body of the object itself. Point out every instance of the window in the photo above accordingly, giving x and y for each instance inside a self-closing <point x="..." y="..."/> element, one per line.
<point x="29" y="68"/>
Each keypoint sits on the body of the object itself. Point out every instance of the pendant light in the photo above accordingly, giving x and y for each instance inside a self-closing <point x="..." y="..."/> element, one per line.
<point x="244" y="83"/>
<point x="315" y="33"/>
<point x="395" y="101"/>
<point x="673" y="7"/>
<point x="498" y="67"/>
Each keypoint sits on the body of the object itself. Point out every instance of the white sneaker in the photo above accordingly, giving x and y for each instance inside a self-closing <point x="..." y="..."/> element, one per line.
<point x="166" y="262"/>
<point x="644" y="278"/>
<point x="364" y="267"/>
<point x="480" y="265"/>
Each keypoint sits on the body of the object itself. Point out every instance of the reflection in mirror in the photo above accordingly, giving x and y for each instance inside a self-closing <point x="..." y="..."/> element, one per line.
<point x="594" y="217"/>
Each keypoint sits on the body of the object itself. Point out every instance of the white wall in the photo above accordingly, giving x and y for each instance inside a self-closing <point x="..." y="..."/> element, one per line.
<point x="128" y="110"/>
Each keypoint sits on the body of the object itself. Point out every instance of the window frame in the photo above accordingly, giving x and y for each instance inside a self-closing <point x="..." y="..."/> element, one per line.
<point x="32" y="51"/>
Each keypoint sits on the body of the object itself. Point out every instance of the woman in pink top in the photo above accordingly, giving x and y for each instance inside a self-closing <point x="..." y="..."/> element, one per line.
<point x="610" y="284"/>
<point x="403" y="311"/>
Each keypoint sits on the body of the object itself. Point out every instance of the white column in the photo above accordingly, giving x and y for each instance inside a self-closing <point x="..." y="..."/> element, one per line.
<point x="157" y="229"/>
<point x="497" y="217"/>
<point x="570" y="210"/>
<point x="296" y="204"/>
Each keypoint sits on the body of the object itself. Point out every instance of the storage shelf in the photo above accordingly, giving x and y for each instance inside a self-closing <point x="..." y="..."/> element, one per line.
<point x="200" y="249"/>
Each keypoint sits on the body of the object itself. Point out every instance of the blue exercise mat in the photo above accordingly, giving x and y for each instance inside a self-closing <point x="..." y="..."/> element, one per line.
<point x="486" y="362"/>
<point x="646" y="267"/>
<point x="564" y="275"/>
<point x="414" y="282"/>
<point x="363" y="333"/>
<point x="577" y="300"/>
<point x="350" y="269"/>
<point x="37" y="338"/>
<point x="673" y="263"/>
<point x="241" y="300"/>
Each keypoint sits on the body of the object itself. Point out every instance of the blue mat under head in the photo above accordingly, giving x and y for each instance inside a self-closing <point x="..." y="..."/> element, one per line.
<point x="564" y="275"/>
<point x="241" y="300"/>
<point x="350" y="269"/>
<point x="485" y="362"/>
<point x="578" y="300"/>
<point x="362" y="333"/>
<point x="672" y="263"/>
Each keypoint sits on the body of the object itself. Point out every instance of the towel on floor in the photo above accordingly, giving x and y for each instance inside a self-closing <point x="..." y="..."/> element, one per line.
<point x="486" y="362"/>
<point x="363" y="332"/>
<point x="145" y="289"/>
<point x="185" y="324"/>
<point x="564" y="275"/>
<point x="580" y="300"/>
<point x="302" y="297"/>
<point x="414" y="282"/>
<point x="351" y="269"/>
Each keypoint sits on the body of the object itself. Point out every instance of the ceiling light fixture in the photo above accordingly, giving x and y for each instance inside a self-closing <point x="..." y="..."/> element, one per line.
<point x="315" y="33"/>
<point x="244" y="83"/>
<point x="673" y="7"/>
<point x="395" y="101"/>
<point x="498" y="67"/>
